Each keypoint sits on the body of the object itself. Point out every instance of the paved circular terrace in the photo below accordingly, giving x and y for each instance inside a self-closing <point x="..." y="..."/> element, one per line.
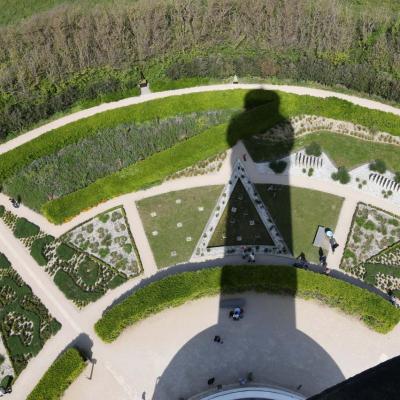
<point x="296" y="344"/>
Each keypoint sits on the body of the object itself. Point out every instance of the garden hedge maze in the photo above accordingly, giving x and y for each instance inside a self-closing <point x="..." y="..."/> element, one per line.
<point x="372" y="251"/>
<point x="25" y="322"/>
<point x="87" y="261"/>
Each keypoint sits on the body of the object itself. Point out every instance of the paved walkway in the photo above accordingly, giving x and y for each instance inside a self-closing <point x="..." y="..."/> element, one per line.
<point x="79" y="323"/>
<point x="293" y="343"/>
<point x="372" y="104"/>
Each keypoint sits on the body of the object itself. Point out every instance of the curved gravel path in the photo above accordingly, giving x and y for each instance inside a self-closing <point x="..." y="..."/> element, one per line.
<point x="26" y="137"/>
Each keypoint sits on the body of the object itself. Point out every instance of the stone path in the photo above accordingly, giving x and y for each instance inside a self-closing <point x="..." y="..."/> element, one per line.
<point x="79" y="323"/>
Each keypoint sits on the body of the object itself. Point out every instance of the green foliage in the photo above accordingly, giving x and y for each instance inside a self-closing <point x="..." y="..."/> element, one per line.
<point x="6" y="381"/>
<point x="375" y="312"/>
<point x="59" y="376"/>
<point x="37" y="249"/>
<point x="4" y="263"/>
<point x="278" y="166"/>
<point x="17" y="301"/>
<point x="2" y="210"/>
<point x="24" y="228"/>
<point x="313" y="149"/>
<point x="72" y="291"/>
<point x="341" y="175"/>
<point x="397" y="177"/>
<point x="65" y="252"/>
<point x="378" y="166"/>
<point x="109" y="150"/>
<point x="373" y="269"/>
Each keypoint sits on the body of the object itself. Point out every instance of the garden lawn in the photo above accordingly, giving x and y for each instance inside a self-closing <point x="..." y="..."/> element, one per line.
<point x="298" y="212"/>
<point x="175" y="290"/>
<point x="343" y="150"/>
<point x="169" y="237"/>
<point x="237" y="224"/>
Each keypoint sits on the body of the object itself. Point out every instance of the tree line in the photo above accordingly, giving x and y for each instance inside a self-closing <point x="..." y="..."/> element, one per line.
<point x="69" y="54"/>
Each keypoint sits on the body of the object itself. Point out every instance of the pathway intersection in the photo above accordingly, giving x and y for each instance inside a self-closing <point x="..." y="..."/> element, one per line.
<point x="79" y="323"/>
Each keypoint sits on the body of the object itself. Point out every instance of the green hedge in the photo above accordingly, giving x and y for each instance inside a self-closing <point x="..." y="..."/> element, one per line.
<point x="4" y="263"/>
<point x="37" y="249"/>
<point x="374" y="311"/>
<point x="65" y="252"/>
<point x="24" y="228"/>
<point x="59" y="376"/>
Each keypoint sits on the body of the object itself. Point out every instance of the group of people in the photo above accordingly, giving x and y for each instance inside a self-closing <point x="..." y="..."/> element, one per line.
<point x="248" y="254"/>
<point x="14" y="202"/>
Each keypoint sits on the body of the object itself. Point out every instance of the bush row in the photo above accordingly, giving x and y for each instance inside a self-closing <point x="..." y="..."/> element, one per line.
<point x="374" y="311"/>
<point x="59" y="376"/>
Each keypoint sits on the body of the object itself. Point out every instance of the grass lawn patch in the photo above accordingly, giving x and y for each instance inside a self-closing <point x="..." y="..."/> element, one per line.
<point x="298" y="212"/>
<point x="161" y="214"/>
<point x="37" y="249"/>
<point x="374" y="311"/>
<point x="24" y="228"/>
<point x="237" y="224"/>
<point x="59" y="376"/>
<point x="343" y="150"/>
<point x="89" y="271"/>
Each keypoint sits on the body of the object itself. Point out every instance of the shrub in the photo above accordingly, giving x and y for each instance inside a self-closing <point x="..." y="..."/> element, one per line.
<point x="2" y="210"/>
<point x="59" y="376"/>
<point x="175" y="290"/>
<point x="278" y="166"/>
<point x="313" y="149"/>
<point x="24" y="228"/>
<point x="310" y="172"/>
<point x="341" y="175"/>
<point x="65" y="252"/>
<point x="37" y="249"/>
<point x="396" y="178"/>
<point x="4" y="263"/>
<point x="378" y="166"/>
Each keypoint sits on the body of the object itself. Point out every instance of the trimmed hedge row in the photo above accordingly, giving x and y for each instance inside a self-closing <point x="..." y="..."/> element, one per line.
<point x="37" y="249"/>
<point x="377" y="313"/>
<point x="59" y="376"/>
<point x="24" y="228"/>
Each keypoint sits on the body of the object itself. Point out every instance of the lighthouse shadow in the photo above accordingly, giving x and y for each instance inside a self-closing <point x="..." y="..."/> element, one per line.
<point x="264" y="345"/>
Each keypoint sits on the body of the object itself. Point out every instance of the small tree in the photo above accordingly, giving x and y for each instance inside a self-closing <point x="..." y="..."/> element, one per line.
<point x="341" y="175"/>
<point x="378" y="166"/>
<point x="278" y="166"/>
<point x="313" y="149"/>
